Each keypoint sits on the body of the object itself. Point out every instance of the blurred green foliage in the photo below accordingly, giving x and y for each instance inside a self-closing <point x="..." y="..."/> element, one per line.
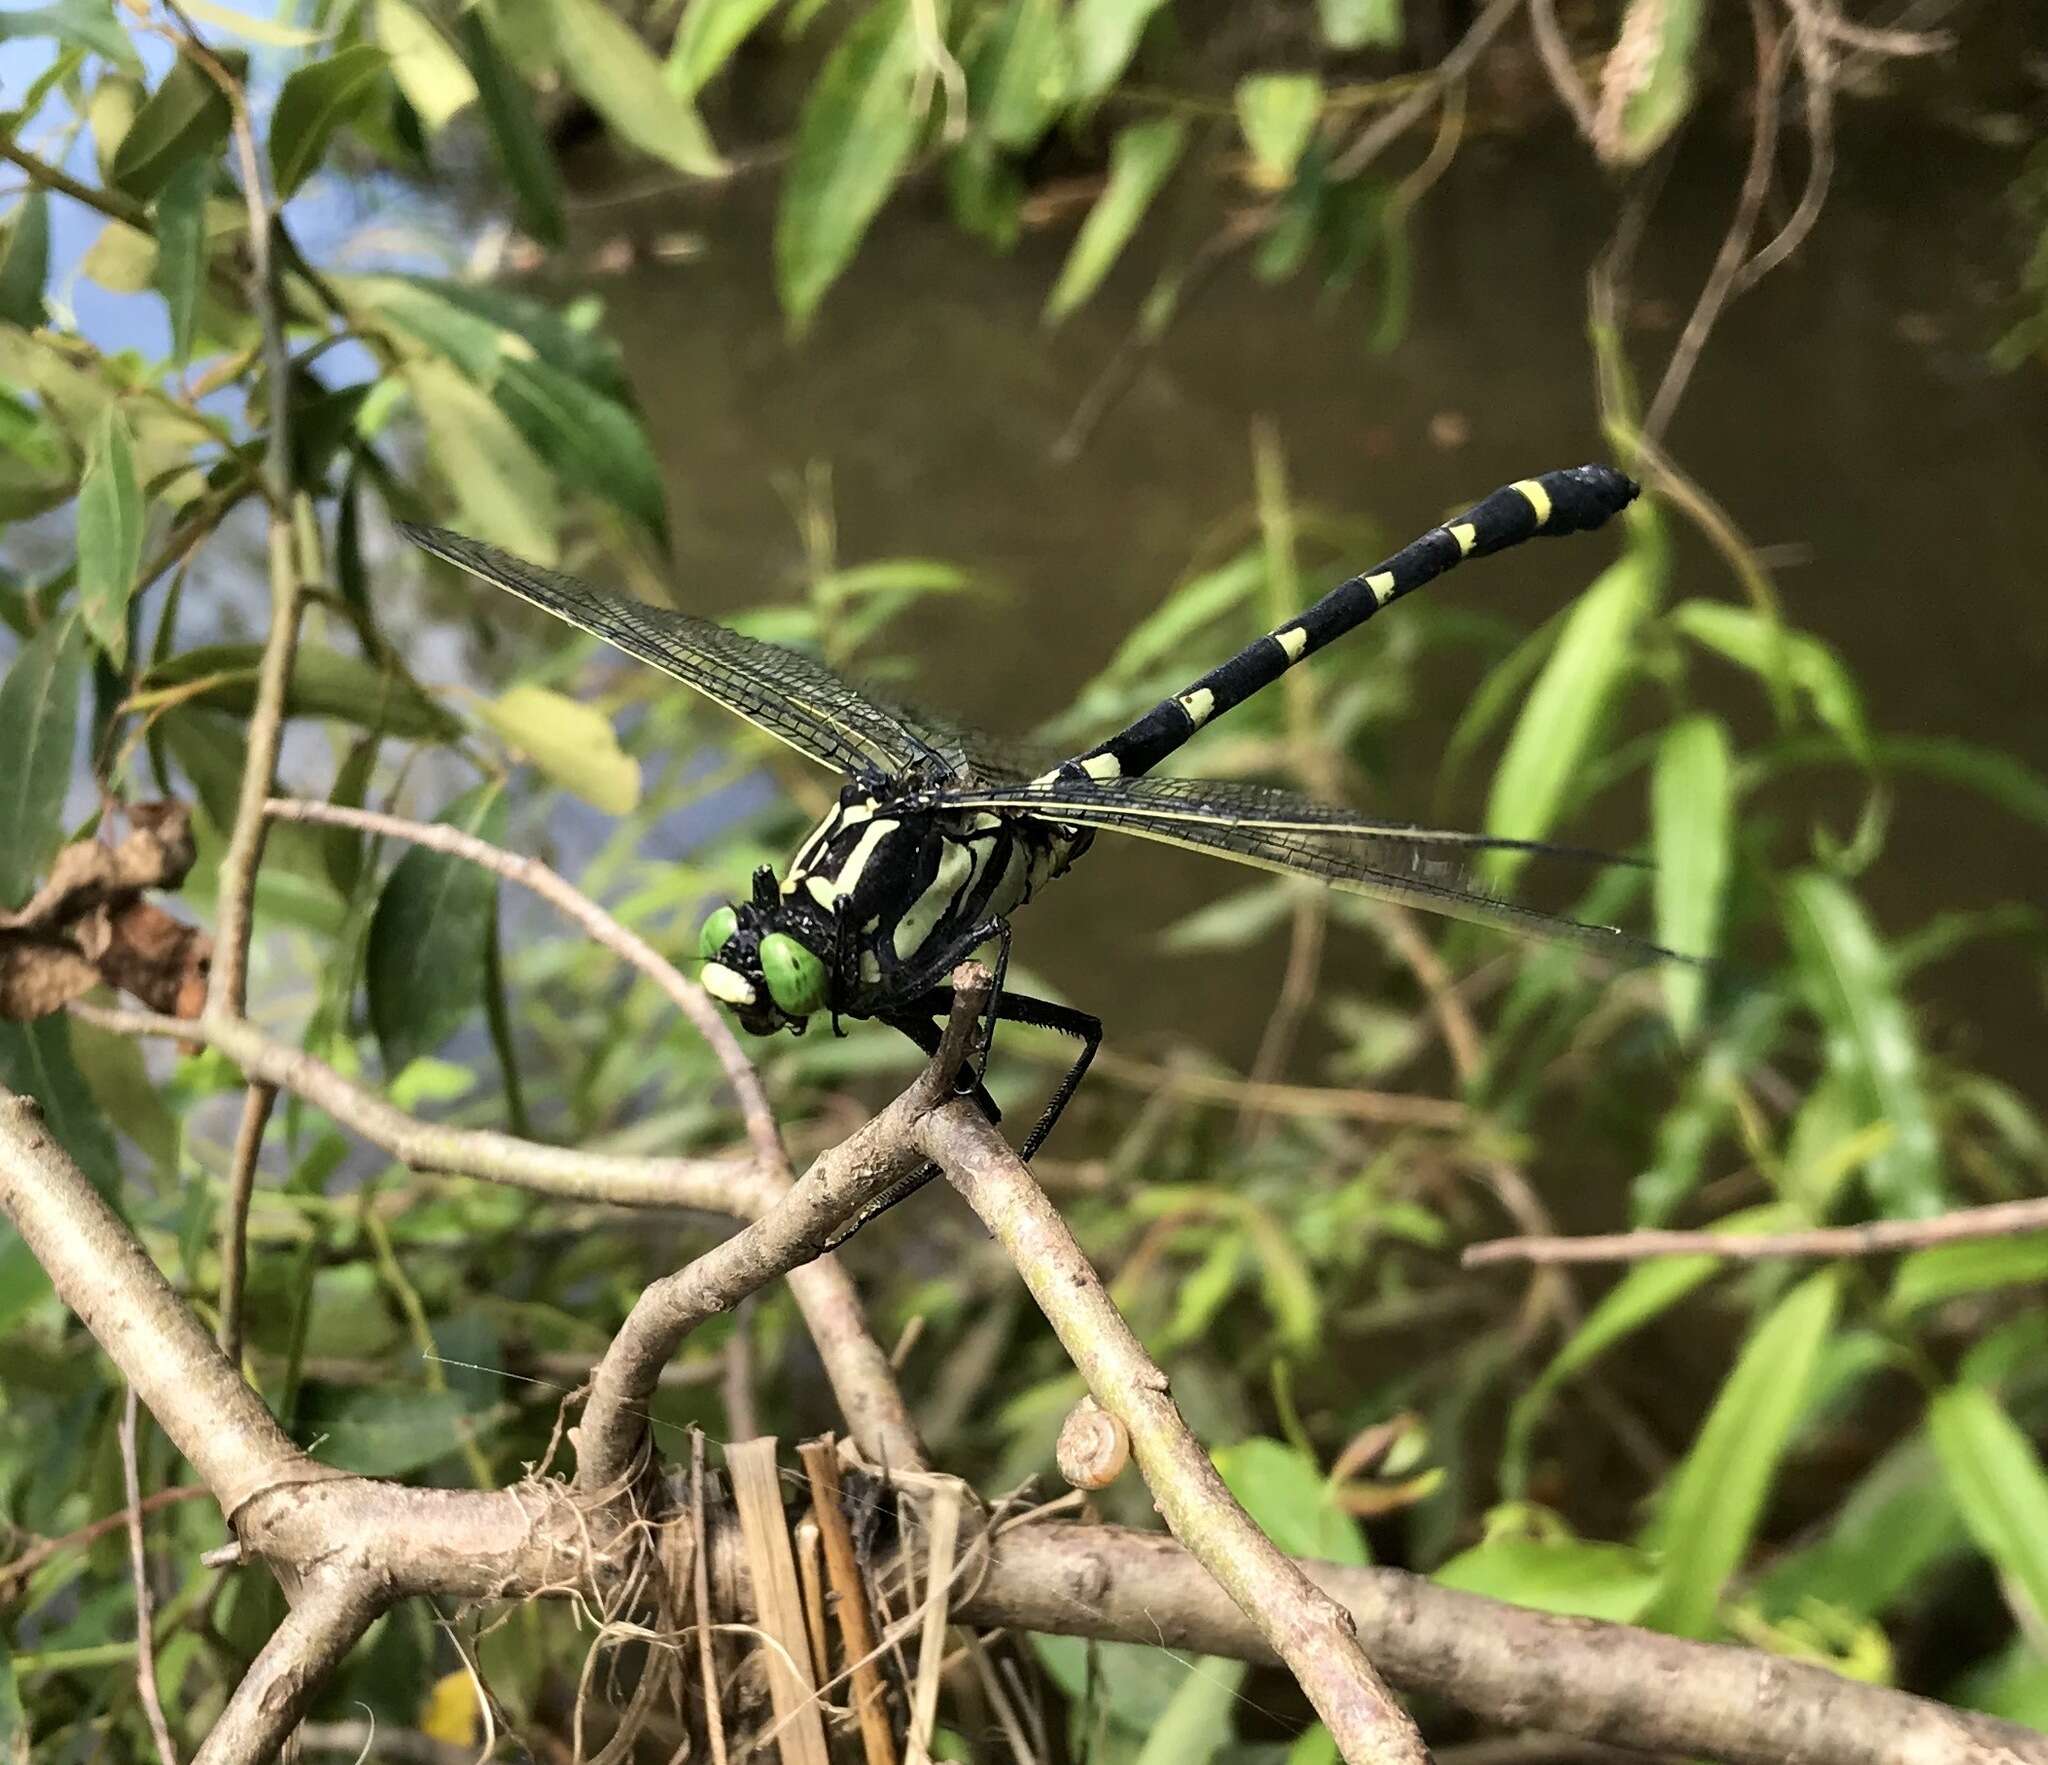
<point x="1837" y="1463"/>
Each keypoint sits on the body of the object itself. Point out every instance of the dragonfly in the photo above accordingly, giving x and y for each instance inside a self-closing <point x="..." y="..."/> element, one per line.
<point x="941" y="832"/>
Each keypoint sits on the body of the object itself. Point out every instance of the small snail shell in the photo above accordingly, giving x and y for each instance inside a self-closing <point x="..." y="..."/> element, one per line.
<point x="1094" y="1446"/>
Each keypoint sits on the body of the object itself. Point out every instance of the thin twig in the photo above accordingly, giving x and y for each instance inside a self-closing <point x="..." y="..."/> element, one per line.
<point x="688" y="998"/>
<point x="1556" y="57"/>
<point x="2002" y="1219"/>
<point x="110" y="203"/>
<point x="1380" y="134"/>
<point x="145" y="1602"/>
<point x="32" y="1559"/>
<point x="257" y="1100"/>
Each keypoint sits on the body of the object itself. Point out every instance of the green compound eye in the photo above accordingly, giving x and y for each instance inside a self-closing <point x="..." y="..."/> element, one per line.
<point x="796" y="978"/>
<point x="720" y="926"/>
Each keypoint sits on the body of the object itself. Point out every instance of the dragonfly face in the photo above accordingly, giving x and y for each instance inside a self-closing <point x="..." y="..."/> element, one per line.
<point x="761" y="958"/>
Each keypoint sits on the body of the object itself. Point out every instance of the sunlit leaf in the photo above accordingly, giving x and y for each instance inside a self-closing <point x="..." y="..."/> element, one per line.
<point x="1563" y="712"/>
<point x="858" y="129"/>
<point x="1140" y="159"/>
<point x="1774" y="652"/>
<point x="1692" y="826"/>
<point x="571" y="742"/>
<point x="324" y="683"/>
<point x="109" y="535"/>
<point x="1871" y="1043"/>
<point x="1278" y="113"/>
<point x="1655" y="48"/>
<point x="425" y="963"/>
<point x="181" y="250"/>
<point x="316" y="100"/>
<point x="39" y="705"/>
<point x="35" y="1061"/>
<point x="266" y="31"/>
<point x="186" y="117"/>
<point x="25" y="261"/>
<point x="1999" y="1487"/>
<point x="121" y="260"/>
<point x="1105" y="35"/>
<point x="1574" y="1577"/>
<point x="522" y="149"/>
<point x="608" y="63"/>
<point x="504" y="491"/>
<point x="1361" y="24"/>
<point x="432" y="76"/>
<point x="85" y="24"/>
<point x="1714" y="1502"/>
<point x="706" y="36"/>
<point x="1290" y="1500"/>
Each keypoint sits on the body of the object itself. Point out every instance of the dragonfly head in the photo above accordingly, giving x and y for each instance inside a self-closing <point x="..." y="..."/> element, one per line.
<point x="760" y="959"/>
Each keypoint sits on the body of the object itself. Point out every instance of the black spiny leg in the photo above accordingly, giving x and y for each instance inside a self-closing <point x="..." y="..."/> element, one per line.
<point x="921" y="1023"/>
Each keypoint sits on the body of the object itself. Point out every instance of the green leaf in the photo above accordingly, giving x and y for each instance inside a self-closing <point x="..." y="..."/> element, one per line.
<point x="1017" y="77"/>
<point x="1197" y="1722"/>
<point x="109" y="535"/>
<point x="1871" y="1044"/>
<point x="121" y="260"/>
<point x="1574" y="1577"/>
<point x="2002" y="778"/>
<point x="84" y="24"/>
<point x="181" y="249"/>
<point x="1139" y="160"/>
<point x="23" y="1287"/>
<point x="389" y="1433"/>
<point x="25" y="261"/>
<point x="709" y="32"/>
<point x="1360" y="24"/>
<point x="503" y="490"/>
<point x="35" y="1061"/>
<point x="1692" y="820"/>
<point x="1717" y="1496"/>
<point x="1234" y="921"/>
<point x="1947" y="1271"/>
<point x="14" y="1724"/>
<point x="857" y="132"/>
<point x="1105" y="36"/>
<point x="316" y="100"/>
<point x="185" y="118"/>
<point x="432" y="76"/>
<point x="341" y="848"/>
<point x="1289" y="1500"/>
<point x="1561" y="716"/>
<point x="267" y="31"/>
<point x="39" y="706"/>
<point x="607" y="62"/>
<point x="1659" y="36"/>
<point x="426" y="958"/>
<point x="126" y="1095"/>
<point x="1999" y="1488"/>
<point x="522" y="149"/>
<point x="1278" y="113"/>
<point x="324" y="683"/>
<point x="1795" y="659"/>
<point x="596" y="443"/>
<point x="571" y="742"/>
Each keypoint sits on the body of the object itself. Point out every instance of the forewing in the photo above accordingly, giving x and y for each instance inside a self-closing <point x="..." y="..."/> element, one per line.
<point x="793" y="698"/>
<point x="1273" y="829"/>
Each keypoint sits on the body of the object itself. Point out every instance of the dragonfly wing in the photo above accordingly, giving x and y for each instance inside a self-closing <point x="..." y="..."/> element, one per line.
<point x="1277" y="830"/>
<point x="793" y="698"/>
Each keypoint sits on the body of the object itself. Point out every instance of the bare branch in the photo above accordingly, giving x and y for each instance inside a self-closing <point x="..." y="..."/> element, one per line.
<point x="326" y="1620"/>
<point x="145" y="1605"/>
<point x="2003" y="1219"/>
<point x="1301" y="1624"/>
<point x="688" y="998"/>
<point x="257" y="1101"/>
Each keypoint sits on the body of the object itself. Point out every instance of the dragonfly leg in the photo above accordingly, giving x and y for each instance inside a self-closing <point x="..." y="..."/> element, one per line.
<point x="921" y="1022"/>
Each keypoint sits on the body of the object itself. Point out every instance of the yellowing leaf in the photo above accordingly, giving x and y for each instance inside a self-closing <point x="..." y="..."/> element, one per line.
<point x="430" y="74"/>
<point x="449" y="1712"/>
<point x="571" y="742"/>
<point x="121" y="260"/>
<point x="1277" y="113"/>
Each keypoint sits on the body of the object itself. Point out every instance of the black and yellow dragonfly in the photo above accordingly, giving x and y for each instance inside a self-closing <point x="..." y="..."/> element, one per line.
<point x="941" y="832"/>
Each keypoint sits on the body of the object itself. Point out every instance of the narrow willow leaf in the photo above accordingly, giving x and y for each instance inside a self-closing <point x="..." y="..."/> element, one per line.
<point x="1947" y="1271"/>
<point x="1105" y="35"/>
<point x="1657" y="43"/>
<point x="571" y="742"/>
<point x="1871" y="1044"/>
<point x="1573" y="1577"/>
<point x="25" y="261"/>
<point x="426" y="959"/>
<point x="434" y="79"/>
<point x="516" y="138"/>
<point x="316" y="100"/>
<point x="1290" y="1500"/>
<point x="1360" y="24"/>
<point x="504" y="491"/>
<point x="342" y="848"/>
<point x="1278" y="113"/>
<point x="1999" y="1488"/>
<point x="2002" y="778"/>
<point x="266" y="31"/>
<point x="389" y="1433"/>
<point x="181" y="250"/>
<point x="186" y="117"/>
<point x="84" y="24"/>
<point x="1692" y="826"/>
<point x="39" y="705"/>
<point x="607" y="62"/>
<point x="857" y="132"/>
<point x="1139" y="161"/>
<point x="126" y="1095"/>
<point x="596" y="444"/>
<point x="324" y="683"/>
<point x="1553" y="737"/>
<point x="1777" y="654"/>
<point x="706" y="36"/>
<point x="1711" y="1512"/>
<point x="1018" y="76"/>
<point x="1197" y="1722"/>
<point x="121" y="260"/>
<point x="35" y="1061"/>
<point x="109" y="535"/>
<point x="1895" y="1525"/>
